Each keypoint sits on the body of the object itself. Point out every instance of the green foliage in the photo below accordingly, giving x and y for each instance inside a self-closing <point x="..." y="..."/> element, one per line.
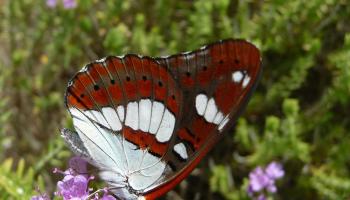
<point x="330" y="185"/>
<point x="281" y="138"/>
<point x="221" y="181"/>
<point x="298" y="116"/>
<point x="17" y="184"/>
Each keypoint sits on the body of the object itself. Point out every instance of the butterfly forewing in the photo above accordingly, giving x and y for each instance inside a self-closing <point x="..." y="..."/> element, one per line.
<point x="146" y="123"/>
<point x="216" y="82"/>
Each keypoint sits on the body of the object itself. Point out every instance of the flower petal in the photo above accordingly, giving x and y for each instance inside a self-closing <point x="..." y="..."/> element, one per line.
<point x="274" y="170"/>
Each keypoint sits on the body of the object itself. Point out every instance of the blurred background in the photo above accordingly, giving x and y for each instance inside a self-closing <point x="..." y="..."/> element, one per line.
<point x="299" y="115"/>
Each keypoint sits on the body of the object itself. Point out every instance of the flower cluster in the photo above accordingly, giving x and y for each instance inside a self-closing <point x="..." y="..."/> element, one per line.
<point x="67" y="4"/>
<point x="74" y="184"/>
<point x="262" y="181"/>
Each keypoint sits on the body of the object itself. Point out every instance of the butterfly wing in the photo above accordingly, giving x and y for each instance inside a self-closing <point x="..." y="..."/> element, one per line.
<point x="216" y="82"/>
<point x="124" y="110"/>
<point x="146" y="123"/>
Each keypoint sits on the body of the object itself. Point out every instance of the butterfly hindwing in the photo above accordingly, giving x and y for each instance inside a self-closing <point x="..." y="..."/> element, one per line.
<point x="124" y="110"/>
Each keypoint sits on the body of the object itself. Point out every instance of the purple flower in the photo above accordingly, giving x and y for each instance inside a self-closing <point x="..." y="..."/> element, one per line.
<point x="274" y="170"/>
<point x="258" y="180"/>
<point x="261" y="197"/>
<point x="73" y="187"/>
<point x="51" y="3"/>
<point x="69" y="4"/>
<point x="261" y="180"/>
<point x="271" y="187"/>
<point x="75" y="181"/>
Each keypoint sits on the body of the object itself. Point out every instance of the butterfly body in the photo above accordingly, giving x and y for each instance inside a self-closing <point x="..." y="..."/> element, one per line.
<point x="147" y="122"/>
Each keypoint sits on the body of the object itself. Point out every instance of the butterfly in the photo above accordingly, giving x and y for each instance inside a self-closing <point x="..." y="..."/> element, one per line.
<point x="146" y="122"/>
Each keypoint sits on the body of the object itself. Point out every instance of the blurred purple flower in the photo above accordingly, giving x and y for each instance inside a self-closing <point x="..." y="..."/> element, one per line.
<point x="258" y="180"/>
<point x="69" y="4"/>
<point x="271" y="187"/>
<point x="261" y="197"/>
<point x="274" y="170"/>
<point x="264" y="179"/>
<point x="51" y="3"/>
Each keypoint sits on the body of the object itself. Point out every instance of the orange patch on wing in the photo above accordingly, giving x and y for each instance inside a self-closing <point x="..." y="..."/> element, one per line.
<point x="142" y="139"/>
<point x="130" y="90"/>
<point x="145" y="88"/>
<point x="116" y="92"/>
<point x="75" y="99"/>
